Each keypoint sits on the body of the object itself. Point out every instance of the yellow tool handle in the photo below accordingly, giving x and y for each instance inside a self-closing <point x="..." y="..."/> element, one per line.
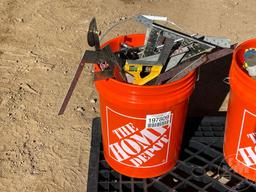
<point x="136" y="69"/>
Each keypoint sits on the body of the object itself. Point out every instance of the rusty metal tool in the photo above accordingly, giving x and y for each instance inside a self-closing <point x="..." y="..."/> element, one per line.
<point x="93" y="41"/>
<point x="72" y="86"/>
<point x="186" y="67"/>
<point x="210" y="57"/>
<point x="115" y="64"/>
<point x="98" y="56"/>
<point x="197" y="44"/>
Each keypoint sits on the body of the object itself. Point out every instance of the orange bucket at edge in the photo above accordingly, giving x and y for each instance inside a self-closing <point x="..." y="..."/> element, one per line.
<point x="240" y="132"/>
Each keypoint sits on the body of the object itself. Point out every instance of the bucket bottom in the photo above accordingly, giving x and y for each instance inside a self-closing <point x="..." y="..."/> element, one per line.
<point x="140" y="172"/>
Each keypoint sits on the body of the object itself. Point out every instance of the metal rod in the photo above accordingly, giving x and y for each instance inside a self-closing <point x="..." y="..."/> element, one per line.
<point x="72" y="86"/>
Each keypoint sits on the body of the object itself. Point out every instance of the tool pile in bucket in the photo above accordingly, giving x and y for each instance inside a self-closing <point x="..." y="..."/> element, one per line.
<point x="166" y="56"/>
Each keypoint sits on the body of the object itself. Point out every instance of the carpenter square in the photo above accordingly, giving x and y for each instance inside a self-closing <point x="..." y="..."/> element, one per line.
<point x="198" y="45"/>
<point x="97" y="56"/>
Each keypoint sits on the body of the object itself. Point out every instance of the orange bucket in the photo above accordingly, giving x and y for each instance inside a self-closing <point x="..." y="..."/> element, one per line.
<point x="142" y="126"/>
<point x="240" y="133"/>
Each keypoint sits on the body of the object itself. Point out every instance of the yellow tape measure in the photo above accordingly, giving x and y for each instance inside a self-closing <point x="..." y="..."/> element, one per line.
<point x="142" y="73"/>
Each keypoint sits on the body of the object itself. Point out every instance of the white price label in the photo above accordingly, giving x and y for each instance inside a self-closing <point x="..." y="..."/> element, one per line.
<point x="158" y="120"/>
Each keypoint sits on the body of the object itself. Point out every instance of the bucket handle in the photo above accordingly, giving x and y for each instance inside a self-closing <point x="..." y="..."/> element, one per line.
<point x="226" y="80"/>
<point x="115" y="24"/>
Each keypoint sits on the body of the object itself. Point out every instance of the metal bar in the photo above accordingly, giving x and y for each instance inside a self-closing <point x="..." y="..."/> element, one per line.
<point x="219" y="41"/>
<point x="210" y="58"/>
<point x="114" y="64"/>
<point x="174" y="61"/>
<point x="72" y="86"/>
<point x="168" y="75"/>
<point x="219" y="54"/>
<point x="188" y="67"/>
<point x="94" y="56"/>
<point x="166" y="52"/>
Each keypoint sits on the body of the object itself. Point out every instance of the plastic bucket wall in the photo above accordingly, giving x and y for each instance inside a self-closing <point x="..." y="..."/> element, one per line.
<point x="240" y="133"/>
<point x="142" y="126"/>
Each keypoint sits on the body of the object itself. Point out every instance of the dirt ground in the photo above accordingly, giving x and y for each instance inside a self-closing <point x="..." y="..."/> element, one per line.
<point x="41" y="43"/>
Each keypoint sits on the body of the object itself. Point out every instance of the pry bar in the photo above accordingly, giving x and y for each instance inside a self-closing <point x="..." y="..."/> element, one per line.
<point x="209" y="58"/>
<point x="188" y="66"/>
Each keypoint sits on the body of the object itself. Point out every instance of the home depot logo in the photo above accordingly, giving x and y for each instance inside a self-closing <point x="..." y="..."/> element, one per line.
<point x="134" y="144"/>
<point x="246" y="151"/>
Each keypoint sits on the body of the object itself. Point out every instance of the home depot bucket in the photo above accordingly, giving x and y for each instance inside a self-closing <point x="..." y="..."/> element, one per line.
<point x="240" y="133"/>
<point x="142" y="126"/>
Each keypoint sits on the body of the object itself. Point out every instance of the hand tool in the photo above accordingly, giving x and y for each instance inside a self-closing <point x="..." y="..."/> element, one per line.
<point x="167" y="52"/>
<point x="197" y="46"/>
<point x="174" y="61"/>
<point x="148" y="20"/>
<point x="184" y="68"/>
<point x="93" y="41"/>
<point x="98" y="56"/>
<point x="72" y="86"/>
<point x="142" y="73"/>
<point x="213" y="56"/>
<point x="201" y="44"/>
<point x="115" y="64"/>
<point x="147" y="68"/>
